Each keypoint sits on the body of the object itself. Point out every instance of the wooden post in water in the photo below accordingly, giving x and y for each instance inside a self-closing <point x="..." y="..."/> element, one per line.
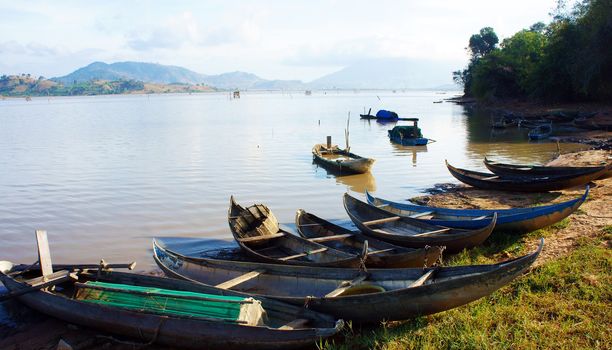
<point x="44" y="254"/>
<point x="329" y="145"/>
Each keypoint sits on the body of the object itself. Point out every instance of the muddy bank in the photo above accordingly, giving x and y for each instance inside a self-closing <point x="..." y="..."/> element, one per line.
<point x="587" y="123"/>
<point x="592" y="217"/>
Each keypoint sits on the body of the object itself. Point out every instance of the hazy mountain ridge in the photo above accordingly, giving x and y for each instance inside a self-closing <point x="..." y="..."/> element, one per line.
<point x="370" y="74"/>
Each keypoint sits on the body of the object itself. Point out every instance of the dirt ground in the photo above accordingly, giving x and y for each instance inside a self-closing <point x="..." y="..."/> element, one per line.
<point x="592" y="216"/>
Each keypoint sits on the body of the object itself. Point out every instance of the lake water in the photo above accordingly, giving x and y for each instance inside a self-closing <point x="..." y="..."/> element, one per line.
<point x="104" y="175"/>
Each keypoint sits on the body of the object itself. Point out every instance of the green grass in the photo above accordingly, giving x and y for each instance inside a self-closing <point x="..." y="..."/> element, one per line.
<point x="564" y="304"/>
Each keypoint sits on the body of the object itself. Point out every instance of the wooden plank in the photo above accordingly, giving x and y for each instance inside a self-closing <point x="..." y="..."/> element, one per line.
<point x="240" y="279"/>
<point x="480" y="217"/>
<point x="418" y="215"/>
<point x="382" y="205"/>
<point x="40" y="283"/>
<point x="444" y="230"/>
<point x="422" y="279"/>
<point x="346" y="285"/>
<point x="291" y="257"/>
<point x="44" y="254"/>
<point x="297" y="323"/>
<point x="260" y="238"/>
<point x="490" y="178"/>
<point x="380" y="251"/>
<point x="382" y="231"/>
<point x="381" y="221"/>
<point x="331" y="238"/>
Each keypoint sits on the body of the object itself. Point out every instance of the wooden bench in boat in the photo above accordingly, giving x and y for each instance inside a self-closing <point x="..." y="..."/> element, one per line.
<point x="381" y="221"/>
<point x="418" y="215"/>
<point x="295" y="324"/>
<point x="291" y="257"/>
<point x="374" y="252"/>
<point x="331" y="238"/>
<point x="490" y="178"/>
<point x="240" y="279"/>
<point x="346" y="285"/>
<point x="260" y="238"/>
<point x="444" y="230"/>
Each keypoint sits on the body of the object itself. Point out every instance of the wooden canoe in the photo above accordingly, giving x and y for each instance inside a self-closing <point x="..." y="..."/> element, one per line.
<point x="257" y="232"/>
<point x="287" y="326"/>
<point x="380" y="254"/>
<point x="489" y="181"/>
<point x="411" y="232"/>
<point x="341" y="161"/>
<point x="401" y="293"/>
<point x="513" y="170"/>
<point x="516" y="220"/>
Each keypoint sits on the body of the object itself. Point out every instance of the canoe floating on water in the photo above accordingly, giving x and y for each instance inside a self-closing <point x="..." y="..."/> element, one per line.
<point x="513" y="170"/>
<point x="395" y="294"/>
<point x="341" y="160"/>
<point x="411" y="232"/>
<point x="517" y="220"/>
<point x="489" y="181"/>
<point x="258" y="233"/>
<point x="193" y="316"/>
<point x="380" y="254"/>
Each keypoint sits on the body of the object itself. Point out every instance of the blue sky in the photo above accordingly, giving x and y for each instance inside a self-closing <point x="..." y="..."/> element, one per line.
<point x="273" y="39"/>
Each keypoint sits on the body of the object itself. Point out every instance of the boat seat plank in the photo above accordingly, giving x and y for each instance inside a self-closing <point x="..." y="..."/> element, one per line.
<point x="346" y="285"/>
<point x="297" y="323"/>
<point x="381" y="221"/>
<point x="382" y="205"/>
<point x="480" y="217"/>
<point x="422" y="279"/>
<point x="380" y="251"/>
<point x="490" y="178"/>
<point x="240" y="279"/>
<point x="444" y="230"/>
<point x="331" y="238"/>
<point x="381" y="231"/>
<point x="418" y="215"/>
<point x="63" y="275"/>
<point x="291" y="257"/>
<point x="261" y="238"/>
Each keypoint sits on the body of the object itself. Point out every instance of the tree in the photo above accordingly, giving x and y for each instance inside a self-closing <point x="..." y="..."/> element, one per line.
<point x="483" y="43"/>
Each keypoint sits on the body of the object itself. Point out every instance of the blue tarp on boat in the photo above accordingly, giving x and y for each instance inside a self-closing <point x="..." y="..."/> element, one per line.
<point x="383" y="114"/>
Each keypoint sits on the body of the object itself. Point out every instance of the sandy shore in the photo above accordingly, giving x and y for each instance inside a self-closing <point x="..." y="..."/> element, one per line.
<point x="32" y="330"/>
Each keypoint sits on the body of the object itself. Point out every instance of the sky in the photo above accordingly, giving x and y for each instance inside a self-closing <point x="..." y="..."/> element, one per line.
<point x="275" y="39"/>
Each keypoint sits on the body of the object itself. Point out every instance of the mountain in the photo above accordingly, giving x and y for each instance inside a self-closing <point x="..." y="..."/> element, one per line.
<point x="162" y="74"/>
<point x="146" y="72"/>
<point x="389" y="73"/>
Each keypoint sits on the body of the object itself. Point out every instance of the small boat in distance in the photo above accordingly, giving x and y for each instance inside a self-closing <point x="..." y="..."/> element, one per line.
<point x="411" y="232"/>
<point x="490" y="181"/>
<point x="540" y="132"/>
<point x="341" y="161"/>
<point x="516" y="220"/>
<point x="379" y="254"/>
<point x="350" y="294"/>
<point x="408" y="135"/>
<point x="257" y="232"/>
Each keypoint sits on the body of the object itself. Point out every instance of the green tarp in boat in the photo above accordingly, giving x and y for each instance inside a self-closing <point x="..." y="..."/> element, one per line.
<point x="173" y="302"/>
<point x="406" y="132"/>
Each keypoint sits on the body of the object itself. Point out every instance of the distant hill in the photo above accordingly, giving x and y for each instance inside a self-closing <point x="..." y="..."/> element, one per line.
<point x="389" y="73"/>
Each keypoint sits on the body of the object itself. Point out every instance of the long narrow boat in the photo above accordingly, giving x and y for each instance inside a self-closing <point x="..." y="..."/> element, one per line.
<point x="170" y="312"/>
<point x="379" y="253"/>
<point x="341" y="161"/>
<point x="258" y="233"/>
<point x="522" y="184"/>
<point x="395" y="294"/>
<point x="516" y="220"/>
<point x="411" y="232"/>
<point x="512" y="170"/>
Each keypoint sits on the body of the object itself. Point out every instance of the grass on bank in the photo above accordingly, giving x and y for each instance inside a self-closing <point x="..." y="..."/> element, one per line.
<point x="564" y="304"/>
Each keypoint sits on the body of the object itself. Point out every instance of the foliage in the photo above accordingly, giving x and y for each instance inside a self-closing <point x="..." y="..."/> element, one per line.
<point x="561" y="305"/>
<point x="569" y="59"/>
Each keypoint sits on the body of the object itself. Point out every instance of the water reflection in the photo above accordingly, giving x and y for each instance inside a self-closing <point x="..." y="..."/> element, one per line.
<point x="401" y="151"/>
<point x="358" y="183"/>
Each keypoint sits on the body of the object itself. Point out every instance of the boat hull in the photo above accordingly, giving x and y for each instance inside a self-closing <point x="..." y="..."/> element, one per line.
<point x="451" y="286"/>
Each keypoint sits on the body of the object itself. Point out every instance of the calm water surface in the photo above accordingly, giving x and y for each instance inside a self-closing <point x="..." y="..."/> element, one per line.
<point x="104" y="175"/>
